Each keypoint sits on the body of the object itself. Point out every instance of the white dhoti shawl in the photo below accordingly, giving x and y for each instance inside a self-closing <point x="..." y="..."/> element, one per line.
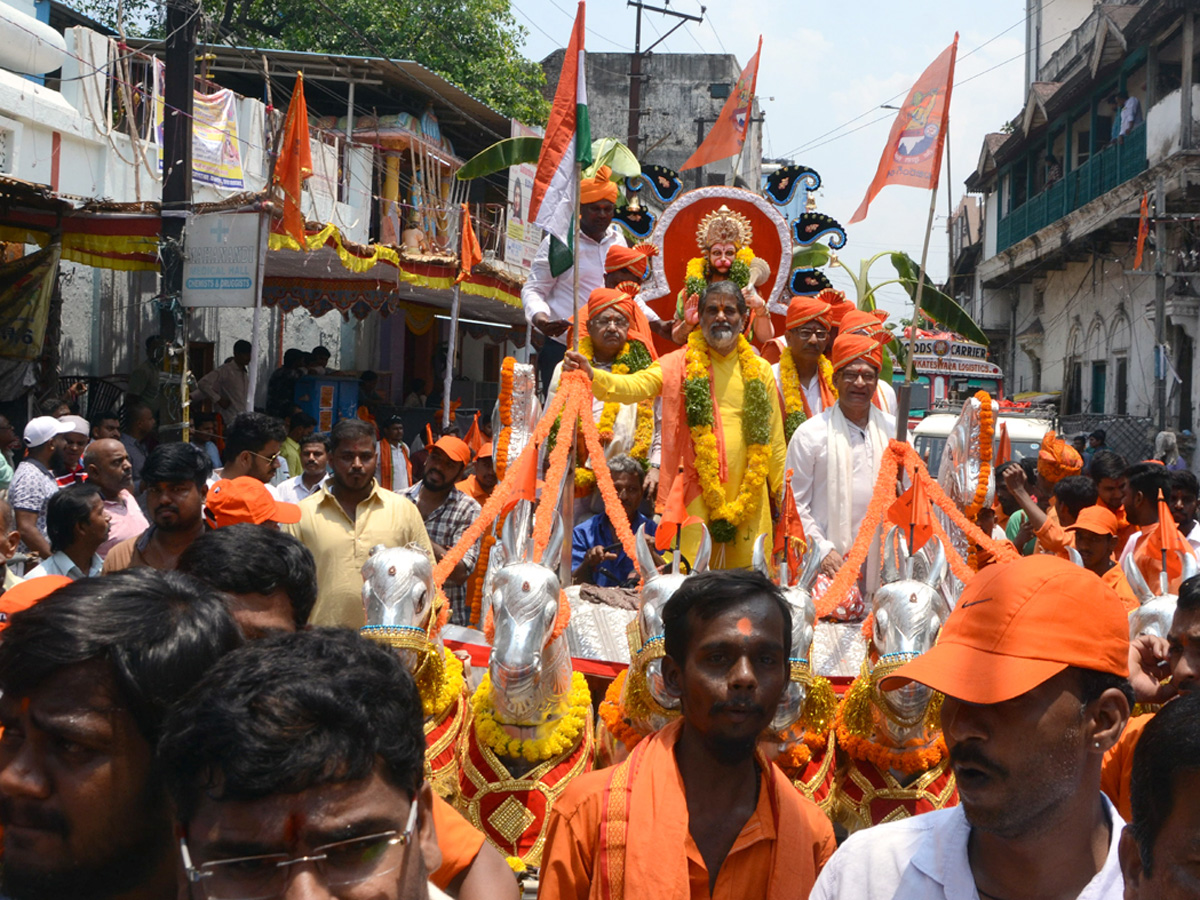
<point x="840" y="484"/>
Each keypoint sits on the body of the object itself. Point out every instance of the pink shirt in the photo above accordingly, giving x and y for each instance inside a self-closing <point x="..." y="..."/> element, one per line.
<point x="127" y="521"/>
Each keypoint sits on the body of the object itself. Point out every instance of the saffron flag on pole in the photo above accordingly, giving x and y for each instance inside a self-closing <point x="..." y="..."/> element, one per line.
<point x="911" y="512"/>
<point x="789" y="533"/>
<point x="294" y="164"/>
<point x="1143" y="229"/>
<point x="913" y="155"/>
<point x="470" y="254"/>
<point x="568" y="141"/>
<point x="527" y="480"/>
<point x="675" y="515"/>
<point x="1003" y="447"/>
<point x="728" y="133"/>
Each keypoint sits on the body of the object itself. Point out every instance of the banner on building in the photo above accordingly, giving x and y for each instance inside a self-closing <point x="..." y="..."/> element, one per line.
<point x="521" y="237"/>
<point x="26" y="286"/>
<point x="216" y="155"/>
<point x="222" y="254"/>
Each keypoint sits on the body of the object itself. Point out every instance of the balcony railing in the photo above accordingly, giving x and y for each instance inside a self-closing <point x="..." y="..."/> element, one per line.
<point x="1112" y="166"/>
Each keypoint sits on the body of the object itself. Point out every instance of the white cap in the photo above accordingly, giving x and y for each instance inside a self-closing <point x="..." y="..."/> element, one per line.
<point x="43" y="428"/>
<point x="79" y="425"/>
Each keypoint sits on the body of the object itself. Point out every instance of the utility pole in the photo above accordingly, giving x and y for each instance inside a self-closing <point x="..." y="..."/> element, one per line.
<point x="1160" y="301"/>
<point x="635" y="63"/>
<point x="178" y="90"/>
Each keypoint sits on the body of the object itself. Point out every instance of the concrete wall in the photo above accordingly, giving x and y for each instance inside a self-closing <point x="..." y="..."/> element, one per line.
<point x="674" y="94"/>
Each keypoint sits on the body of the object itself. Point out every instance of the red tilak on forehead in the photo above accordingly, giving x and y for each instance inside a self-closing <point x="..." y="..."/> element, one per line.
<point x="292" y="827"/>
<point x="744" y="627"/>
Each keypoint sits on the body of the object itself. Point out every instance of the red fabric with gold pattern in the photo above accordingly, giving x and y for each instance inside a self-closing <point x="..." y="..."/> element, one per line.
<point x="442" y="735"/>
<point x="865" y="795"/>
<point x="815" y="779"/>
<point x="514" y="812"/>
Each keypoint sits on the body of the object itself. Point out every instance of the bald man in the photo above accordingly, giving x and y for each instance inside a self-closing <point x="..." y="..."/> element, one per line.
<point x="108" y="467"/>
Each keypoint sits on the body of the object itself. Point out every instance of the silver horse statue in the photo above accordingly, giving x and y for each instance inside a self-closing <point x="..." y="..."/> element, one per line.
<point x="1157" y="608"/>
<point x="398" y="599"/>
<point x="909" y="610"/>
<point x="530" y="674"/>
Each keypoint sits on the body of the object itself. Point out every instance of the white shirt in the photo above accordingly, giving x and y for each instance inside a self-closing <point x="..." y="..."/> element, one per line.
<point x="399" y="467"/>
<point x="218" y="474"/>
<point x="808" y="458"/>
<point x="925" y="858"/>
<point x="812" y="390"/>
<point x="58" y="563"/>
<point x="293" y="490"/>
<point x="1131" y="114"/>
<point x="544" y="293"/>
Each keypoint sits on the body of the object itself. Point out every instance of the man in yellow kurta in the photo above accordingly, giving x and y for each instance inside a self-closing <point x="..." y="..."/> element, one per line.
<point x="722" y="430"/>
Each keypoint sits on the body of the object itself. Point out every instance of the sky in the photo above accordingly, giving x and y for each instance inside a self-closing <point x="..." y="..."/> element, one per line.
<point x="821" y="81"/>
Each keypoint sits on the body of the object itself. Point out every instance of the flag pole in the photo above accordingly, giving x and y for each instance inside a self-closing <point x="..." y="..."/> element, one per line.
<point x="252" y="376"/>
<point x="568" y="501"/>
<point x="904" y="395"/>
<point x="449" y="380"/>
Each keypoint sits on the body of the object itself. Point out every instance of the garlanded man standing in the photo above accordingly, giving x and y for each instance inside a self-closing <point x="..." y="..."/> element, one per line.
<point x="720" y="422"/>
<point x="803" y="373"/>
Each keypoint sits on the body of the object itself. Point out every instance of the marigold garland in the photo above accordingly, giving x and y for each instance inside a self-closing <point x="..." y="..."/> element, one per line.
<point x="506" y="392"/>
<point x="555" y="471"/>
<point x="632" y="358"/>
<point x="854" y="724"/>
<point x="726" y="517"/>
<point x="987" y="426"/>
<point x="561" y="734"/>
<point x="436" y="697"/>
<point x="475" y="584"/>
<point x="795" y="406"/>
<point x="799" y="754"/>
<point x="612" y="713"/>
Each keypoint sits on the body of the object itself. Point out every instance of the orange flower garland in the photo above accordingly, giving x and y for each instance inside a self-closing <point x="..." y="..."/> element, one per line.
<point x="506" y="390"/>
<point x="911" y="761"/>
<point x="612" y="714"/>
<point x="798" y="755"/>
<point x="555" y="470"/>
<point x="987" y="428"/>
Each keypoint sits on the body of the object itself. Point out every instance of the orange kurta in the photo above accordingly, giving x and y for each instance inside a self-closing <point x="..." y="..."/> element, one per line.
<point x="1118" y="765"/>
<point x="471" y="487"/>
<point x="458" y="840"/>
<point x="1052" y="537"/>
<point x="786" y="840"/>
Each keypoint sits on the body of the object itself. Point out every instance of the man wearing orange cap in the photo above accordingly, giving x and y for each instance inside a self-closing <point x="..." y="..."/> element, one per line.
<point x="448" y="513"/>
<point x="1056" y="460"/>
<point x="549" y="296"/>
<point x="618" y="340"/>
<point x="860" y="321"/>
<point x="1095" y="533"/>
<point x="803" y="375"/>
<point x="728" y="435"/>
<point x="246" y="499"/>
<point x="482" y="481"/>
<point x="1033" y="663"/>
<point x="835" y="456"/>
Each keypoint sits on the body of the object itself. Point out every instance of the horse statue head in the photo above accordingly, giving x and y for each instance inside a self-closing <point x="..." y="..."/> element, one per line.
<point x="646" y="631"/>
<point x="398" y="597"/>
<point x="909" y="610"/>
<point x="804" y="621"/>
<point x="1157" y="608"/>
<point x="530" y="666"/>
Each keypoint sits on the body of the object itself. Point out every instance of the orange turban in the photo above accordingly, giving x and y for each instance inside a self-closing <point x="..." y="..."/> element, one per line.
<point x="850" y="347"/>
<point x="636" y="259"/>
<point x="860" y="321"/>
<point x="609" y="298"/>
<point x="1057" y="459"/>
<point x="598" y="187"/>
<point x="806" y="309"/>
<point x="838" y="303"/>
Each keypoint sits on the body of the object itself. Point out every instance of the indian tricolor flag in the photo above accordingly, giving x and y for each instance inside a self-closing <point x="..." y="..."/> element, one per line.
<point x="568" y="141"/>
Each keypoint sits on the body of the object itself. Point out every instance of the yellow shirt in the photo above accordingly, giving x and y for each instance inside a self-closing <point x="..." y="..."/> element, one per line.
<point x="340" y="547"/>
<point x="290" y="451"/>
<point x="729" y="391"/>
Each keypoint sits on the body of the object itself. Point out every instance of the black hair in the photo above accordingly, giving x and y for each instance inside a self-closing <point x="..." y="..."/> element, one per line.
<point x="203" y="416"/>
<point x="1169" y="746"/>
<point x="1099" y="434"/>
<point x="719" y="288"/>
<point x="1148" y="479"/>
<point x="1107" y="464"/>
<point x="417" y="384"/>
<point x="255" y="559"/>
<point x="176" y="462"/>
<point x="292" y="712"/>
<point x="1029" y="465"/>
<point x="320" y="351"/>
<point x="368" y="375"/>
<point x="1189" y="595"/>
<point x="711" y="593"/>
<point x="1093" y="683"/>
<point x="251" y="431"/>
<point x="349" y="429"/>
<point x="152" y="340"/>
<point x="1185" y="481"/>
<point x="67" y="508"/>
<point x="242" y="347"/>
<point x="158" y="631"/>
<point x="317" y="437"/>
<point x="293" y="357"/>
<point x="133" y="410"/>
<point x="300" y="419"/>
<point x="1076" y="493"/>
<point x="104" y="415"/>
<point x="393" y="420"/>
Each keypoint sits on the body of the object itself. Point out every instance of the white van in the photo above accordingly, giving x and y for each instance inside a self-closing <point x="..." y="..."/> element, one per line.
<point x="1024" y="434"/>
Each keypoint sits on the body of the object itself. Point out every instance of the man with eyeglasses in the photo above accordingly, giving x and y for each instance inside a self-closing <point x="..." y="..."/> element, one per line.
<point x="804" y="390"/>
<point x="296" y="767"/>
<point x="252" y="445"/>
<point x="87" y="674"/>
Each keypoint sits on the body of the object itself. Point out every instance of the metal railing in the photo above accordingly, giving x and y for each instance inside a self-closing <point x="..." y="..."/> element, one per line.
<point x="1112" y="166"/>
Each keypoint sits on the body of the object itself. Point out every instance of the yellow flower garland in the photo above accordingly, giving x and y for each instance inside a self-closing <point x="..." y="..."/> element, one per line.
<point x="436" y="698"/>
<point x="585" y="478"/>
<point x="704" y="441"/>
<point x="562" y="735"/>
<point x="795" y="410"/>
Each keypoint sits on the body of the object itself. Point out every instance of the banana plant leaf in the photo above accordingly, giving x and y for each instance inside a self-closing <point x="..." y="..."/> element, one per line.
<point x="612" y="153"/>
<point x="810" y="257"/>
<point x="937" y="306"/>
<point x="499" y="156"/>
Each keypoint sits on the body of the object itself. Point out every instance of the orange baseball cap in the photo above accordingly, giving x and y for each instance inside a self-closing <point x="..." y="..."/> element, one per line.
<point x="24" y="595"/>
<point x="1019" y="624"/>
<point x="246" y="499"/>
<point x="1095" y="519"/>
<point x="455" y="448"/>
<point x="484" y="451"/>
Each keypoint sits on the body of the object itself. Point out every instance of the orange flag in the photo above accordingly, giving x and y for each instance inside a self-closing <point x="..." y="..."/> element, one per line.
<point x="1169" y="538"/>
<point x="728" y="133"/>
<point x="911" y="512"/>
<point x="675" y="515"/>
<point x="527" y="481"/>
<point x="428" y="436"/>
<point x="454" y="405"/>
<point x="294" y="164"/>
<point x="913" y="154"/>
<point x="789" y="533"/>
<point x="474" y="438"/>
<point x="470" y="253"/>
<point x="1143" y="229"/>
<point x="1003" y="446"/>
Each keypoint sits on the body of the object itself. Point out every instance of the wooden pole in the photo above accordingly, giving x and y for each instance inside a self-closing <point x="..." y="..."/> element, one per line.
<point x="904" y="395"/>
